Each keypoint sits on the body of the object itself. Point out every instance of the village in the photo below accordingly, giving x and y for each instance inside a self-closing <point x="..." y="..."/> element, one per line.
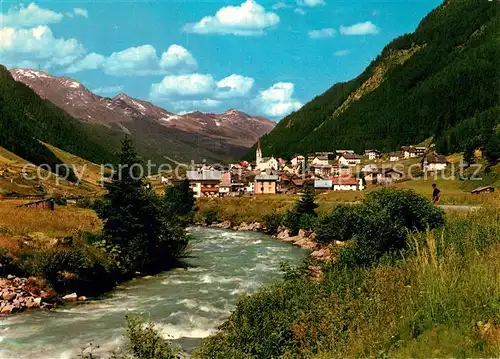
<point x="339" y="170"/>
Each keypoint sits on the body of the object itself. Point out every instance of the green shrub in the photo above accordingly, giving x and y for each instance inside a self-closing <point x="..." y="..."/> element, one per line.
<point x="291" y="220"/>
<point x="76" y="267"/>
<point x="308" y="222"/>
<point x="210" y="216"/>
<point x="342" y="224"/>
<point x="272" y="222"/>
<point x="144" y="341"/>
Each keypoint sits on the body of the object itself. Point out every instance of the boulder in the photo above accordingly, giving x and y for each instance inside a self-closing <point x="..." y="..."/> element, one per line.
<point x="82" y="298"/>
<point x="37" y="302"/>
<point x="70" y="297"/>
<point x="8" y="308"/>
<point x="322" y="254"/>
<point x="305" y="243"/>
<point x="10" y="277"/>
<point x="8" y="296"/>
<point x="285" y="233"/>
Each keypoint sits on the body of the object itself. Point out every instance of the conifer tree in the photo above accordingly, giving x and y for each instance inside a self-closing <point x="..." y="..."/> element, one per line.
<point x="142" y="235"/>
<point x="306" y="204"/>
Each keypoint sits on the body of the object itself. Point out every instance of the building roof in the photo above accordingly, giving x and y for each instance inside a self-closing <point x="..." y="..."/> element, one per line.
<point x="373" y="150"/>
<point x="204" y="175"/>
<point x="435" y="158"/>
<point x="351" y="156"/>
<point x="266" y="159"/>
<point x="323" y="184"/>
<point x="345" y="181"/>
<point x="395" y="154"/>
<point x="320" y="166"/>
<point x="267" y="178"/>
<point x="322" y="157"/>
<point x="344" y="151"/>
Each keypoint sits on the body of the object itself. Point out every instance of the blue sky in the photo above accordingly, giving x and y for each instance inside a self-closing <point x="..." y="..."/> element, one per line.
<point x="263" y="57"/>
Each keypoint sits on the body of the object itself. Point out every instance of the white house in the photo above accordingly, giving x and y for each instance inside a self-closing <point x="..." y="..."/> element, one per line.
<point x="373" y="154"/>
<point x="297" y="159"/>
<point x="204" y="183"/>
<point x="434" y="162"/>
<point x="347" y="184"/>
<point x="320" y="160"/>
<point x="394" y="156"/>
<point x="349" y="159"/>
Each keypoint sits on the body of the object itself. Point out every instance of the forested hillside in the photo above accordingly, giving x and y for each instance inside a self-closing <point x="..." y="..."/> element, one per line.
<point x="26" y="119"/>
<point x="441" y="81"/>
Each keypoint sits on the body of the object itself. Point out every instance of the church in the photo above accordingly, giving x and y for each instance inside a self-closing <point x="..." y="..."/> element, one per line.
<point x="264" y="163"/>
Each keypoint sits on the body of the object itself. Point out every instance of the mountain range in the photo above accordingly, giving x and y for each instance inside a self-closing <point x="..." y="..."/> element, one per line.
<point x="441" y="81"/>
<point x="157" y="132"/>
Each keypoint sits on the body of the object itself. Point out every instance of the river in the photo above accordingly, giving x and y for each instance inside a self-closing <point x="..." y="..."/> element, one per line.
<point x="186" y="305"/>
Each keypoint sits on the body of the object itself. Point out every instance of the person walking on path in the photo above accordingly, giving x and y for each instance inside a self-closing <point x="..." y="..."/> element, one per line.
<point x="435" y="194"/>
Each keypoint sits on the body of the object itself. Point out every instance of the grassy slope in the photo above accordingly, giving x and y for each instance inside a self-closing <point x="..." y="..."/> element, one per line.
<point x="440" y="301"/>
<point x="13" y="183"/>
<point x="394" y="101"/>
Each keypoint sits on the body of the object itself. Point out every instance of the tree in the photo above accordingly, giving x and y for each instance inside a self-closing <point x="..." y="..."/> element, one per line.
<point x="142" y="235"/>
<point x="306" y="204"/>
<point x="179" y="201"/>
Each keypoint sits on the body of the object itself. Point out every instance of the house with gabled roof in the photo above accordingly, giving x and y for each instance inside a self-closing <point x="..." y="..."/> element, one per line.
<point x="349" y="159"/>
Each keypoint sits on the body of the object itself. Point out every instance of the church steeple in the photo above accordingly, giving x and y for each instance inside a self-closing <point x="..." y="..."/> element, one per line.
<point x="258" y="153"/>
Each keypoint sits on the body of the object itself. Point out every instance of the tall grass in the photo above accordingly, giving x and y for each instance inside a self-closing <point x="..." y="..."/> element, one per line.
<point x="441" y="300"/>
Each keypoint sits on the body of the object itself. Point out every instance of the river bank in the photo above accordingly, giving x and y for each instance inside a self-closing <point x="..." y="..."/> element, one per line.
<point x="304" y="239"/>
<point x="186" y="304"/>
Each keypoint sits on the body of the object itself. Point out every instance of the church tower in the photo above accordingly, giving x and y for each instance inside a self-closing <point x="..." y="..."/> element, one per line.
<point x="258" y="153"/>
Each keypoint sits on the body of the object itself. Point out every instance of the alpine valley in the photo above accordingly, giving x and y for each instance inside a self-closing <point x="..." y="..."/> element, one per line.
<point x="159" y="135"/>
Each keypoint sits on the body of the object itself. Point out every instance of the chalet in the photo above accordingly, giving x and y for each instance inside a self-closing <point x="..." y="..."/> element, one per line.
<point x="320" y="160"/>
<point x="225" y="184"/>
<point x="383" y="176"/>
<point x="420" y="151"/>
<point x="408" y="152"/>
<point x="347" y="184"/>
<point x="394" y="156"/>
<point x="321" y="169"/>
<point x="434" y="162"/>
<point x="204" y="183"/>
<point x="297" y="160"/>
<point x="323" y="185"/>
<point x="349" y="159"/>
<point x="266" y="184"/>
<point x="373" y="154"/>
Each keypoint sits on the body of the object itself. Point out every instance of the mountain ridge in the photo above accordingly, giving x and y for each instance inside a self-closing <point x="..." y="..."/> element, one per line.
<point x="233" y="126"/>
<point x="423" y="84"/>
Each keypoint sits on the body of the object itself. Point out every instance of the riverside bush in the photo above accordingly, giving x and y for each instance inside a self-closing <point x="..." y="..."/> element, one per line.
<point x="378" y="226"/>
<point x="272" y="222"/>
<point x="435" y="303"/>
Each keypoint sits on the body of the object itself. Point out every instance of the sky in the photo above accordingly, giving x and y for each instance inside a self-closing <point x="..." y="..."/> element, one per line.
<point x="263" y="57"/>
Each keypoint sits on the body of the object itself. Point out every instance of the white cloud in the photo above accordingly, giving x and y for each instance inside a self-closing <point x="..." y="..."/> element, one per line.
<point x="342" y="52"/>
<point x="78" y="11"/>
<point x="29" y="16"/>
<point x="91" y="61"/>
<point x="38" y="46"/>
<point x="247" y="19"/>
<point x="322" y="33"/>
<point x="138" y="61"/>
<point x="277" y="100"/>
<point x="234" y="86"/>
<point x="199" y="91"/>
<point x="108" y="89"/>
<point x="362" y="28"/>
<point x="299" y="11"/>
<point x="177" y="56"/>
<point x="311" y="3"/>
<point x="185" y="106"/>
<point x="182" y="85"/>
<point x="279" y="5"/>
